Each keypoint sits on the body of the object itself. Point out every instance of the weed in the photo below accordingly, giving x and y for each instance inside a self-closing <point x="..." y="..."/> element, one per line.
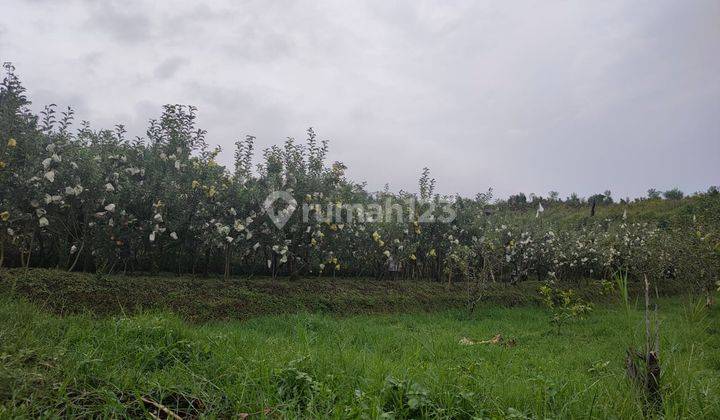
<point x="564" y="305"/>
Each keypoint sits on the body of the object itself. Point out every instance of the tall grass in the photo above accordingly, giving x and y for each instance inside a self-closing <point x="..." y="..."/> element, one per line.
<point x="308" y="365"/>
<point x="621" y="282"/>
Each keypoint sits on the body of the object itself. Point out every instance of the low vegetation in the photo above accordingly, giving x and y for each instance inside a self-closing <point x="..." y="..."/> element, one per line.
<point x="138" y="277"/>
<point x="205" y="299"/>
<point x="439" y="365"/>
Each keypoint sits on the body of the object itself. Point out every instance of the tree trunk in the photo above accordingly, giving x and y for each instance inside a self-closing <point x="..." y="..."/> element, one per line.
<point x="207" y="261"/>
<point x="77" y="257"/>
<point x="227" y="261"/>
<point x="29" y="253"/>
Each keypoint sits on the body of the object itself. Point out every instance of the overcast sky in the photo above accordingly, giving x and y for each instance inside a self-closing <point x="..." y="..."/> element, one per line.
<point x="519" y="96"/>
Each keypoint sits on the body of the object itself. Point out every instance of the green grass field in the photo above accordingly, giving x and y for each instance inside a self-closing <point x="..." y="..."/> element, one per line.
<point x="374" y="365"/>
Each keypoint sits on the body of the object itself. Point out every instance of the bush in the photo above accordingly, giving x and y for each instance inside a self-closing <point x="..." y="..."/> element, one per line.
<point x="94" y="200"/>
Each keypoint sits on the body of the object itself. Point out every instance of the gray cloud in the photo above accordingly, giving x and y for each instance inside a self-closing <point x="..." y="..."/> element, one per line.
<point x="568" y="96"/>
<point x="119" y="20"/>
<point x="169" y="67"/>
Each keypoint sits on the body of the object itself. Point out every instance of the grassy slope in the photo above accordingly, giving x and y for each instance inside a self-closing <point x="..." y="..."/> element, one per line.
<point x="705" y="208"/>
<point x="199" y="299"/>
<point x="318" y="365"/>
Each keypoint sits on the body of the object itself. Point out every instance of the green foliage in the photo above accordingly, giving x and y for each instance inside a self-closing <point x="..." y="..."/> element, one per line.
<point x="622" y="287"/>
<point x="673" y="194"/>
<point x="653" y="194"/>
<point x="299" y="390"/>
<point x="367" y="366"/>
<point x="564" y="305"/>
<point x="405" y="399"/>
<point x="94" y="200"/>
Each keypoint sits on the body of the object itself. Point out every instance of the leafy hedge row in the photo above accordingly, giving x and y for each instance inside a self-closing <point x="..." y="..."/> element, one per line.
<point x="95" y="200"/>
